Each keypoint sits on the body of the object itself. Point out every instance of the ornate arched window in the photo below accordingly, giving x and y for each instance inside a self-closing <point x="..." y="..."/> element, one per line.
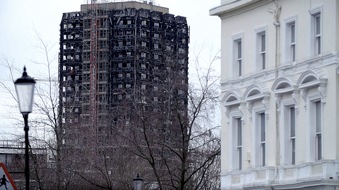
<point x="287" y="98"/>
<point x="257" y="103"/>
<point x="234" y="128"/>
<point x="313" y="92"/>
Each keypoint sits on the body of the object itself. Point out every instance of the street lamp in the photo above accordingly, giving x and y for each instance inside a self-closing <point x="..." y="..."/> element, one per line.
<point x="24" y="88"/>
<point x="138" y="182"/>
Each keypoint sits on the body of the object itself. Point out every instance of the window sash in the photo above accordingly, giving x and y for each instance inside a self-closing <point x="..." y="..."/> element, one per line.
<point x="318" y="116"/>
<point x="262" y="49"/>
<point x="318" y="44"/>
<point x="263" y="43"/>
<point x="263" y="60"/>
<point x="239" y="67"/>
<point x="239" y="150"/>
<point x="239" y="53"/>
<point x="292" y="122"/>
<point x="263" y="153"/>
<point x="318" y="146"/>
<point x="293" y="150"/>
<point x="292" y="32"/>
<point x="318" y="131"/>
<point x="317" y="24"/>
<point x="262" y="139"/>
<point x="292" y="41"/>
<point x="239" y="57"/>
<point x="239" y="133"/>
<point x="262" y="128"/>
<point x="292" y="53"/>
<point x="239" y="142"/>
<point x="317" y="33"/>
<point x="292" y="133"/>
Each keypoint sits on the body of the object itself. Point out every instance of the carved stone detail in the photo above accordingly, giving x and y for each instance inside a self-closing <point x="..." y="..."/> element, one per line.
<point x="296" y="97"/>
<point x="322" y="91"/>
<point x="227" y="111"/>
<point x="278" y="101"/>
<point x="249" y="106"/>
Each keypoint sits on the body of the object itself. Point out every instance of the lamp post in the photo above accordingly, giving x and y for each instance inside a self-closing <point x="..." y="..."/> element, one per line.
<point x="24" y="88"/>
<point x="138" y="182"/>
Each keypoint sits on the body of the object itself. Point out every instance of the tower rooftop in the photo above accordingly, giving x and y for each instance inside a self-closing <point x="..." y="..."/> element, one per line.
<point x="126" y="4"/>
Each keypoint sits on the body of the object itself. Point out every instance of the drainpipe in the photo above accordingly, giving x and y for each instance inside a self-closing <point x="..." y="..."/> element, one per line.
<point x="276" y="16"/>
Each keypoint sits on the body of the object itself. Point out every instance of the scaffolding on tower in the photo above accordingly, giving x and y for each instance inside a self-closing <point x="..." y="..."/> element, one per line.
<point x="93" y="62"/>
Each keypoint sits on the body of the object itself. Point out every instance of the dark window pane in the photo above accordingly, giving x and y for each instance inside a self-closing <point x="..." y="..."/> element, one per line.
<point x="319" y="153"/>
<point x="263" y="42"/>
<point x="292" y="120"/>
<point x="263" y="59"/>
<point x="317" y="24"/>
<point x="292" y="33"/>
<point x="263" y="154"/>
<point x="239" y="49"/>
<point x="318" y="45"/>
<point x="239" y="132"/>
<point x="262" y="127"/>
<point x="240" y="157"/>
<point x="318" y="116"/>
<point x="293" y="53"/>
<point x="240" y="67"/>
<point x="293" y="150"/>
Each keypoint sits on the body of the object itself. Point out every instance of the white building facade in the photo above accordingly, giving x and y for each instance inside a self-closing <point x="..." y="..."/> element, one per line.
<point x="279" y="83"/>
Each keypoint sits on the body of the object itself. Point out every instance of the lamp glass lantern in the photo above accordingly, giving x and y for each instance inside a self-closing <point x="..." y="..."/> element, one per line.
<point x="138" y="182"/>
<point x="24" y="88"/>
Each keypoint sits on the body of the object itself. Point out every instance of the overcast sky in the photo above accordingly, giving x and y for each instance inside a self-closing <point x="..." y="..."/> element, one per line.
<point x="22" y="19"/>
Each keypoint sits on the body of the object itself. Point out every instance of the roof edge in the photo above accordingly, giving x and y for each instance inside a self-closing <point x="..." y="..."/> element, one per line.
<point x="234" y="5"/>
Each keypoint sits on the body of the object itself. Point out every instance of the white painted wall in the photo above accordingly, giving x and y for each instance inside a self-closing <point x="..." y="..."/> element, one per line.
<point x="244" y="22"/>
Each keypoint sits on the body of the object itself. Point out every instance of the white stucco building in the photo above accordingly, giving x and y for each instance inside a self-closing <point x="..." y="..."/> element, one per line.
<point x="279" y="83"/>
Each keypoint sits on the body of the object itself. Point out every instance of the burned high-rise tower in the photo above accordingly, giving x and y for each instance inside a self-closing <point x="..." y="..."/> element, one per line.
<point x="117" y="58"/>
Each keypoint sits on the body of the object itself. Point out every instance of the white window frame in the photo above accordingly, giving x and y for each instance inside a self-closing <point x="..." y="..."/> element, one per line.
<point x="292" y="127"/>
<point x="234" y="116"/>
<point x="291" y="40"/>
<point x="262" y="138"/>
<point x="289" y="139"/>
<point x="316" y="31"/>
<point x="314" y="154"/>
<point x="260" y="144"/>
<point x="261" y="48"/>
<point x="318" y="118"/>
<point x="238" y="128"/>
<point x="237" y="58"/>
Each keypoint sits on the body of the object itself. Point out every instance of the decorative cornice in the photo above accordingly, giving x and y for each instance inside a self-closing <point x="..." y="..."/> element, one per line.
<point x="231" y="8"/>
<point x="290" y="70"/>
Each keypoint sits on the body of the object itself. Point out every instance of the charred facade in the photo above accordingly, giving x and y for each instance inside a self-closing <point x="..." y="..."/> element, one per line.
<point x="119" y="57"/>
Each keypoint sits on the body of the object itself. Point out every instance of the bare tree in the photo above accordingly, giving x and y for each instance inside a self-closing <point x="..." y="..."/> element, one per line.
<point x="48" y="171"/>
<point x="174" y="146"/>
<point x="181" y="146"/>
<point x="171" y="143"/>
